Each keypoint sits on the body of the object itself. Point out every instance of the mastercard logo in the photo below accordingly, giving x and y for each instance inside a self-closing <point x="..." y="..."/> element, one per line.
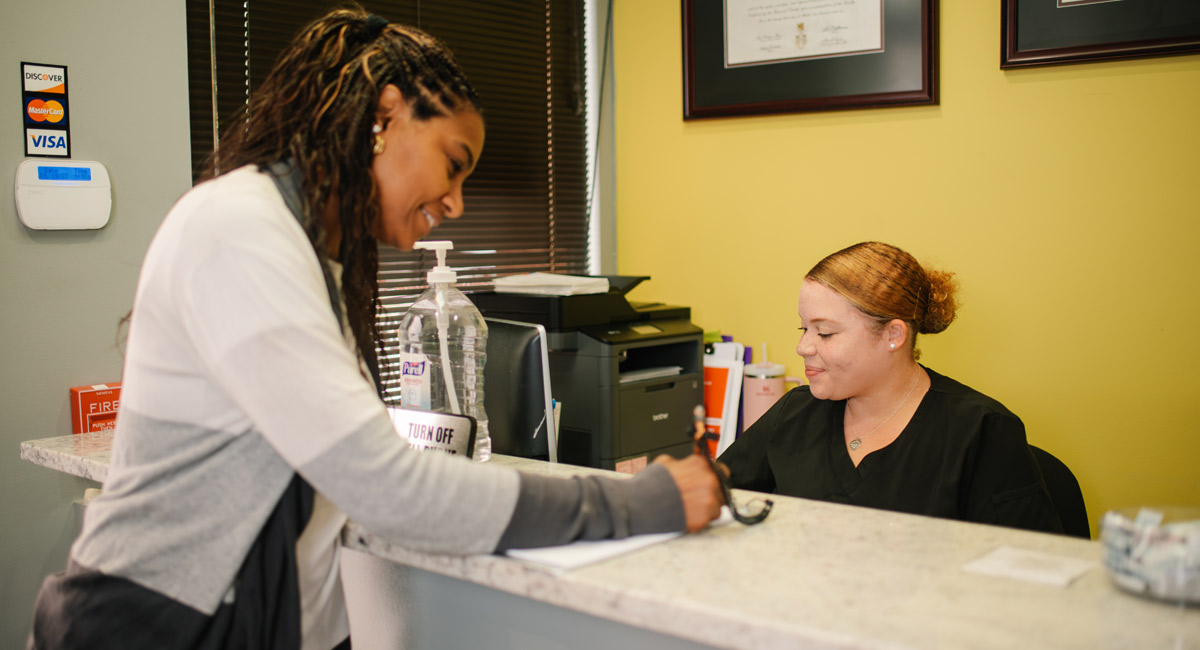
<point x="43" y="111"/>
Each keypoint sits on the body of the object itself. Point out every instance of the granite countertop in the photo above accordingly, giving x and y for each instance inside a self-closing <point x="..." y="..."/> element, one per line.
<point x="85" y="455"/>
<point x="815" y="574"/>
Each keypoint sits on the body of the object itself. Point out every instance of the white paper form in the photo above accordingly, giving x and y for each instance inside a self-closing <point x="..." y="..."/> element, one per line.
<point x="579" y="554"/>
<point x="1034" y="566"/>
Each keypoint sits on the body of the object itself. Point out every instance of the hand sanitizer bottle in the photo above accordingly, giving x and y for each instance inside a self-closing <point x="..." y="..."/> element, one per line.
<point x="443" y="346"/>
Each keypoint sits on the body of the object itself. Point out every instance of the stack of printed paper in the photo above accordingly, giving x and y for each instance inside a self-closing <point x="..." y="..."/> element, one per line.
<point x="723" y="370"/>
<point x="551" y="284"/>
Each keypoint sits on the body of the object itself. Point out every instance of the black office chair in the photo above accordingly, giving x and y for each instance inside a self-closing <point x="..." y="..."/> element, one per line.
<point x="1064" y="492"/>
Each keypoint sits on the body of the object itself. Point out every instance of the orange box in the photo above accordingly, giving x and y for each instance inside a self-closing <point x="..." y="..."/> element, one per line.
<point x="94" y="408"/>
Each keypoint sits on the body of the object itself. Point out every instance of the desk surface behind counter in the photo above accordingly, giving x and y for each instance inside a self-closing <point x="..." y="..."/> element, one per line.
<point x="814" y="575"/>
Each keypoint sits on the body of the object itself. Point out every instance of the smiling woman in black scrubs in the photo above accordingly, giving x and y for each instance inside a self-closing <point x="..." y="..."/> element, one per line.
<point x="875" y="428"/>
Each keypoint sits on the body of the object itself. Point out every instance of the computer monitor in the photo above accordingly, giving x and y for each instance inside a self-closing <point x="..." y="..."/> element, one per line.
<point x="516" y="390"/>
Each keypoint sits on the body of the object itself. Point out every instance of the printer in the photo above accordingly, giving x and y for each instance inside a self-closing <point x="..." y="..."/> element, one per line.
<point x="626" y="375"/>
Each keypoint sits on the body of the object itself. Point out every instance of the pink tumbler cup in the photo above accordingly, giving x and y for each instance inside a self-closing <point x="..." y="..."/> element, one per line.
<point x="762" y="386"/>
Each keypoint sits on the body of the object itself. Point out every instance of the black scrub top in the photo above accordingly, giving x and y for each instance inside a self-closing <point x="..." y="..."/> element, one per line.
<point x="962" y="456"/>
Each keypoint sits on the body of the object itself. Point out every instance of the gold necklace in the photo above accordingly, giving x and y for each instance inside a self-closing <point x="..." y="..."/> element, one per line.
<point x="857" y="441"/>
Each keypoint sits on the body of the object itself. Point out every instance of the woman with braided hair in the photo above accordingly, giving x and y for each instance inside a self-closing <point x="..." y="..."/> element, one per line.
<point x="250" y="426"/>
<point x="875" y="428"/>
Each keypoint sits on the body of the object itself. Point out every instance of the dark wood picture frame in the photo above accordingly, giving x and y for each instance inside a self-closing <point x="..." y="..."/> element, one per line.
<point x="1044" y="32"/>
<point x="904" y="74"/>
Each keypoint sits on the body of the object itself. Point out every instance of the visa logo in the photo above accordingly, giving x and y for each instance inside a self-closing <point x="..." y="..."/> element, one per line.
<point x="41" y="141"/>
<point x="49" y="141"/>
<point x="412" y="369"/>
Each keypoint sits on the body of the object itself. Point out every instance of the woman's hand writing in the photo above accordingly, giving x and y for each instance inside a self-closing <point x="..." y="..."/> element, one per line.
<point x="698" y="487"/>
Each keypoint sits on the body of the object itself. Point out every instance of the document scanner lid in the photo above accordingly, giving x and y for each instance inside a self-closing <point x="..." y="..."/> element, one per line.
<point x="558" y="313"/>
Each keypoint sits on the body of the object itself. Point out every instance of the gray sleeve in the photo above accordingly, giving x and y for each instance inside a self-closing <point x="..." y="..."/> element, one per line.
<point x="423" y="500"/>
<point x="553" y="511"/>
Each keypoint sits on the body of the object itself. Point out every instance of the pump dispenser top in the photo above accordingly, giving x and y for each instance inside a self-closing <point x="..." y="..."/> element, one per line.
<point x="441" y="272"/>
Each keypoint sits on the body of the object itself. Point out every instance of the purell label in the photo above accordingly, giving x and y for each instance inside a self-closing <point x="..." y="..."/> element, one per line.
<point x="414" y="381"/>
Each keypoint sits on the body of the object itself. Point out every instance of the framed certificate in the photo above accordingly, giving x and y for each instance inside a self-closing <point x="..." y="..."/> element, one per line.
<point x="753" y="57"/>
<point x="1052" y="32"/>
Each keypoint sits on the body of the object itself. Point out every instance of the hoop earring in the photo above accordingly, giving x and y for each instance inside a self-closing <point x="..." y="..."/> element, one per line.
<point x="379" y="142"/>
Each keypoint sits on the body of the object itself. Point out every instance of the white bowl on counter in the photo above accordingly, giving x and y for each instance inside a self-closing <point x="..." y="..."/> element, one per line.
<point x="1154" y="551"/>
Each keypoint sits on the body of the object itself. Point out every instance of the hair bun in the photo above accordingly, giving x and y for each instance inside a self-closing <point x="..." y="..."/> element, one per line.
<point x="374" y="26"/>
<point x="942" y="305"/>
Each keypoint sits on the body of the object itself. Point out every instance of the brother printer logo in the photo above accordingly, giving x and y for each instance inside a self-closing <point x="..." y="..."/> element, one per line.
<point x="412" y="369"/>
<point x="659" y="417"/>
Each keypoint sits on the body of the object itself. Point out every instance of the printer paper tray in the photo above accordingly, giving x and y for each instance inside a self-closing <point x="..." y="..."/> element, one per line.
<point x="650" y="373"/>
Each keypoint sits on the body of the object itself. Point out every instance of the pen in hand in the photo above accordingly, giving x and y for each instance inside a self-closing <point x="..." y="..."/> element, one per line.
<point x="700" y="438"/>
<point x="700" y="435"/>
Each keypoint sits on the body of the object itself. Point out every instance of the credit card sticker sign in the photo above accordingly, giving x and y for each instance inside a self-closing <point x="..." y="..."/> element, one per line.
<point x="46" y="112"/>
<point x="94" y="408"/>
<point x="45" y="78"/>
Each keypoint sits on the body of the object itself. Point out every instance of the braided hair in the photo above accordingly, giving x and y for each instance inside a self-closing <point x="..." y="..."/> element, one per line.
<point x="315" y="111"/>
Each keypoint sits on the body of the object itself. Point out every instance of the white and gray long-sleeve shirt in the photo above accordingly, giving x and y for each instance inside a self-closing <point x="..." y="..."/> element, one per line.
<point x="237" y="377"/>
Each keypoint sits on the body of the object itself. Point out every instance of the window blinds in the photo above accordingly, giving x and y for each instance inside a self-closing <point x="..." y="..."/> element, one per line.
<point x="526" y="203"/>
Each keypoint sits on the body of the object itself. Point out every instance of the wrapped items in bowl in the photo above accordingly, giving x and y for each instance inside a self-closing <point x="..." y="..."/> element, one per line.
<point x="1154" y="551"/>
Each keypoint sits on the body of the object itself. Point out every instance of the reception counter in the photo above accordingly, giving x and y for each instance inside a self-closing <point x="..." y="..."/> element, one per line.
<point x="814" y="575"/>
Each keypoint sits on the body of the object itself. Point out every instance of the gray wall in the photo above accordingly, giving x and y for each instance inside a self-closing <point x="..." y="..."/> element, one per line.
<point x="62" y="293"/>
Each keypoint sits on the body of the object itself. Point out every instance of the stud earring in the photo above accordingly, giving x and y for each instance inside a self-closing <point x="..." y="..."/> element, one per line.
<point x="379" y="143"/>
<point x="892" y="346"/>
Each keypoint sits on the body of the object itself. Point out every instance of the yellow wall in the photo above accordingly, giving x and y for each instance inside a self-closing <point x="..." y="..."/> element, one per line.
<point x="1066" y="199"/>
